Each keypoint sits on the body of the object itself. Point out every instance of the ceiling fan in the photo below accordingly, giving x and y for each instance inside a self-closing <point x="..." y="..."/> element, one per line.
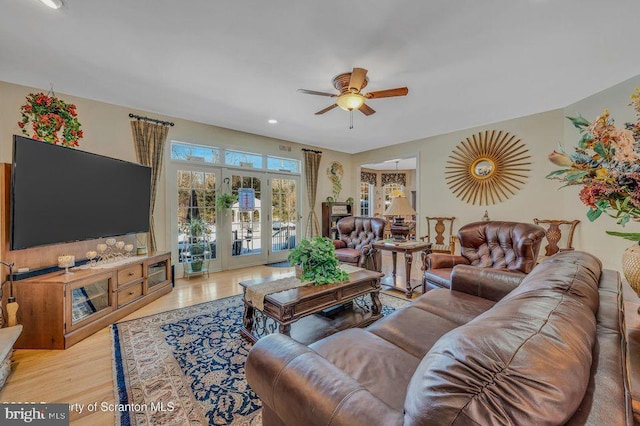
<point x="350" y="84"/>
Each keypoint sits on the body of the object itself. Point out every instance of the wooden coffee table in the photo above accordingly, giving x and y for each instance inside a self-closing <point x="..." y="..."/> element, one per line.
<point x="281" y="310"/>
<point x="408" y="248"/>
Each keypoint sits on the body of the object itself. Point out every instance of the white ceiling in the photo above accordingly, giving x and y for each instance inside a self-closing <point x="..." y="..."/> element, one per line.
<point x="236" y="64"/>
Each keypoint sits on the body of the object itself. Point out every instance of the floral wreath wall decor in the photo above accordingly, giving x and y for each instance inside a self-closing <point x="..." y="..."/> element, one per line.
<point x="487" y="167"/>
<point x="49" y="116"/>
<point x="335" y="172"/>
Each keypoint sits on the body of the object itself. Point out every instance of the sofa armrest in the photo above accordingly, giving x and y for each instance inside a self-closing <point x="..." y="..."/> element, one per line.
<point x="291" y="379"/>
<point x="441" y="260"/>
<point x="488" y="283"/>
<point x="338" y="244"/>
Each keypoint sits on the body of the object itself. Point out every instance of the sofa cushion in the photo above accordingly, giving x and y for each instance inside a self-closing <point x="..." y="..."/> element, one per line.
<point x="453" y="305"/>
<point x="370" y="360"/>
<point x="426" y="328"/>
<point x="348" y="255"/>
<point x="525" y="361"/>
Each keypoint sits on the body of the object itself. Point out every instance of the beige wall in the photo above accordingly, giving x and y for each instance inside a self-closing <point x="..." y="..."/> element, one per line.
<point x="107" y="131"/>
<point x="540" y="197"/>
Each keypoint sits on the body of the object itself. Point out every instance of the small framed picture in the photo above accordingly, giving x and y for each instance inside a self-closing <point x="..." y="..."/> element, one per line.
<point x="339" y="210"/>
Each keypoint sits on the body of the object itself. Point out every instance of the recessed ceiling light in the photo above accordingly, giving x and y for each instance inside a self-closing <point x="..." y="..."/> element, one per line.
<point x="272" y="121"/>
<point x="53" y="4"/>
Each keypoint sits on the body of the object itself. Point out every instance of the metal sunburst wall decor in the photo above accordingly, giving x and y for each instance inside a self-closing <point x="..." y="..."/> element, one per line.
<point x="487" y="167"/>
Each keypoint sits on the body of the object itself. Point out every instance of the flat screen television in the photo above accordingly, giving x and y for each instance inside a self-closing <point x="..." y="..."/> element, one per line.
<point x="63" y="194"/>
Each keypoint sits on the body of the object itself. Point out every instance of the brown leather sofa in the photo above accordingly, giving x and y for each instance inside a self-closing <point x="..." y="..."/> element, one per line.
<point x="508" y="246"/>
<point x="355" y="236"/>
<point x="548" y="351"/>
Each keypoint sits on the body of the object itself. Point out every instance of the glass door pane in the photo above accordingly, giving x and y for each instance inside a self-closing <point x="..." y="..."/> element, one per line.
<point x="246" y="214"/>
<point x="196" y="216"/>
<point x="284" y="214"/>
<point x="89" y="299"/>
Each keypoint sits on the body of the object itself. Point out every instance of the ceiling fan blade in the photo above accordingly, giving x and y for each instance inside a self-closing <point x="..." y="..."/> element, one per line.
<point x="367" y="110"/>
<point x="400" y="91"/>
<point x="313" y="92"/>
<point x="329" y="108"/>
<point x="357" y="79"/>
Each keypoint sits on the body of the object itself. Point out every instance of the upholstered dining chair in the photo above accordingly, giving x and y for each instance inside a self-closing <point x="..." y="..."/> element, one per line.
<point x="501" y="246"/>
<point x="440" y="234"/>
<point x="355" y="238"/>
<point x="559" y="234"/>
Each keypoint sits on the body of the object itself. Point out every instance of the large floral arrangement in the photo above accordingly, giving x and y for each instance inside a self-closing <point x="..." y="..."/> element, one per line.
<point x="48" y="116"/>
<point x="606" y="163"/>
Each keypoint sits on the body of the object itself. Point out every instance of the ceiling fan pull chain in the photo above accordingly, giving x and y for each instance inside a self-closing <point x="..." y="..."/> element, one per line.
<point x="350" y="119"/>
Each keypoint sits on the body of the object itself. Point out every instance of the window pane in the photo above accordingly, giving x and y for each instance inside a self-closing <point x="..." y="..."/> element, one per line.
<point x="283" y="164"/>
<point x="237" y="158"/>
<point x="365" y="199"/>
<point x="184" y="179"/>
<point x="190" y="152"/>
<point x="179" y="151"/>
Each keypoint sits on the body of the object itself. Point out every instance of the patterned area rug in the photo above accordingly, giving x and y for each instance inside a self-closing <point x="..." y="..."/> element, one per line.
<point x="186" y="366"/>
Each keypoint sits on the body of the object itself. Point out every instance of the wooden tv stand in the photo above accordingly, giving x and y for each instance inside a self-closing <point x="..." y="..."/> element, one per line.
<point x="58" y="310"/>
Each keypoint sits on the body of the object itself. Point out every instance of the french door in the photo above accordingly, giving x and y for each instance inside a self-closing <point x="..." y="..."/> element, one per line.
<point x="195" y="188"/>
<point x="260" y="227"/>
<point x="285" y="216"/>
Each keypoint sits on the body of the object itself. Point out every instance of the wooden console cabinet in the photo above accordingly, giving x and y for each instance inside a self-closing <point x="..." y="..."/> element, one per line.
<point x="58" y="310"/>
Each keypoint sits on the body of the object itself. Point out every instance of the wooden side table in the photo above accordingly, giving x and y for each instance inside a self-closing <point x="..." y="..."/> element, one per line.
<point x="408" y="248"/>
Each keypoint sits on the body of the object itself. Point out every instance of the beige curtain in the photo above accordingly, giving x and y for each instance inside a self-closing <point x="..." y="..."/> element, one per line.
<point x="148" y="140"/>
<point x="311" y="166"/>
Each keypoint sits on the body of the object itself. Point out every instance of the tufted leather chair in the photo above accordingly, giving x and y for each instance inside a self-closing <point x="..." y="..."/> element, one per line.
<point x="355" y="238"/>
<point x="506" y="246"/>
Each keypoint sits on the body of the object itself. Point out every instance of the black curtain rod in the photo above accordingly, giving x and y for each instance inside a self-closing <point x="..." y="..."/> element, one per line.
<point x="153" y="120"/>
<point x="312" y="150"/>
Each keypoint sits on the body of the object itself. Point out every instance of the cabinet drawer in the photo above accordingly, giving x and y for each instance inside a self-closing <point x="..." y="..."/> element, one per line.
<point x="129" y="274"/>
<point x="129" y="294"/>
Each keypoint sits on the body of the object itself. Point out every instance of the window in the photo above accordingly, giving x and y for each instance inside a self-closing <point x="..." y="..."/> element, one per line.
<point x="366" y="198"/>
<point x="211" y="155"/>
<point x="283" y="164"/>
<point x="242" y="159"/>
<point x="190" y="152"/>
<point x="391" y="190"/>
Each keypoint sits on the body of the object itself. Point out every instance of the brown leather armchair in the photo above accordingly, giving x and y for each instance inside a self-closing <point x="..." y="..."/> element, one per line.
<point x="355" y="238"/>
<point x="510" y="247"/>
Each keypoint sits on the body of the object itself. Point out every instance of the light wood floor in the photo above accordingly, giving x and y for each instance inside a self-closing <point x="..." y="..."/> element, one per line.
<point x="83" y="373"/>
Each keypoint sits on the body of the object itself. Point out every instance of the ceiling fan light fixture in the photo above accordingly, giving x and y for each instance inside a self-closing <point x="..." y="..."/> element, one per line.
<point x="53" y="4"/>
<point x="350" y="101"/>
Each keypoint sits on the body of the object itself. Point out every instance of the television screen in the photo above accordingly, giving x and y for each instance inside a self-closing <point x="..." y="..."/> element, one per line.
<point x="63" y="194"/>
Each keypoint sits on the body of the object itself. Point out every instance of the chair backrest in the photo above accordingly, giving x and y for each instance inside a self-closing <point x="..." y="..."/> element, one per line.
<point x="356" y="231"/>
<point x="440" y="234"/>
<point x="559" y="234"/>
<point x="507" y="245"/>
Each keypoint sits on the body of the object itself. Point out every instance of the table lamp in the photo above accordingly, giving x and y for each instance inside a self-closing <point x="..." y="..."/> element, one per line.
<point x="399" y="208"/>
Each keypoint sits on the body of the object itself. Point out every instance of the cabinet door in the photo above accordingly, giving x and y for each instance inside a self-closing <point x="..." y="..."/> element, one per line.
<point x="158" y="273"/>
<point x="88" y="300"/>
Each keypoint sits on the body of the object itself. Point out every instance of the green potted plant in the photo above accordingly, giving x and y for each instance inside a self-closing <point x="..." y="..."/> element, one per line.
<point x="225" y="201"/>
<point x="197" y="233"/>
<point x="318" y="261"/>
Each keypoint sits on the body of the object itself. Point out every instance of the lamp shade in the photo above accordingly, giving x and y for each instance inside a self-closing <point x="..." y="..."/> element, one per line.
<point x="399" y="207"/>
